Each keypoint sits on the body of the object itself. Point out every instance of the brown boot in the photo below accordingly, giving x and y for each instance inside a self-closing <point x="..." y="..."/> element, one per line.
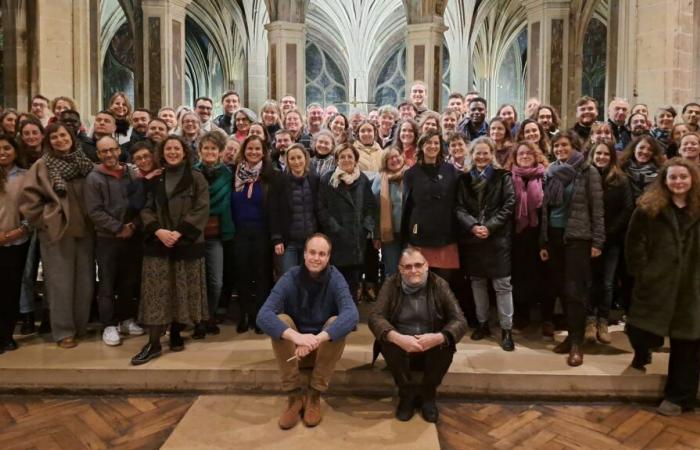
<point x="591" y="330"/>
<point x="291" y="414"/>
<point x="312" y="408"/>
<point x="603" y="334"/>
<point x="575" y="357"/>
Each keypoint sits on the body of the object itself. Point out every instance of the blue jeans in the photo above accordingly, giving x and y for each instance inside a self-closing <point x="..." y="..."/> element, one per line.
<point x="391" y="253"/>
<point x="293" y="256"/>
<point x="504" y="300"/>
<point x="604" y="271"/>
<point x="214" y="262"/>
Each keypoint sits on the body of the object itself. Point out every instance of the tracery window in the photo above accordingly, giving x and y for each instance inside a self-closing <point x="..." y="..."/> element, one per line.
<point x="324" y="79"/>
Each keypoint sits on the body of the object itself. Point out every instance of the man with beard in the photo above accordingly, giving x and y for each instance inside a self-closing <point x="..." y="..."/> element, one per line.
<point x="547" y="116"/>
<point x="139" y="127"/>
<point x="475" y="125"/>
<point x="586" y="114"/>
<point x="283" y="139"/>
<point x="691" y="116"/>
<point x="105" y="125"/>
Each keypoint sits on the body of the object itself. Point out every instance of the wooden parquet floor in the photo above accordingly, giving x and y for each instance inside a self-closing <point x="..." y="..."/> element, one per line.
<point x="561" y="426"/>
<point x="68" y="423"/>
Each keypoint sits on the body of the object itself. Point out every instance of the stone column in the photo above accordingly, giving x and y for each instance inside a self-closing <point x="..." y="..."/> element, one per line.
<point x="87" y="82"/>
<point x="548" y="33"/>
<point x="164" y="52"/>
<point x="256" y="82"/>
<point x="664" y="59"/>
<point x="424" y="59"/>
<point x="16" y="63"/>
<point x="287" y="60"/>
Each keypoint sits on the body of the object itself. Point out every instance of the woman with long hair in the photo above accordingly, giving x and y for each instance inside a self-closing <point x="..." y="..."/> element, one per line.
<point x="499" y="132"/>
<point x="339" y="125"/>
<point x="690" y="147"/>
<point x="120" y="106"/>
<point x="244" y="118"/>
<point x="572" y="232"/>
<point x="271" y="118"/>
<point x="641" y="161"/>
<point x="484" y="208"/>
<point x="406" y="140"/>
<point x="173" y="282"/>
<point x="528" y="178"/>
<point x="294" y="122"/>
<point x="530" y="130"/>
<point x="53" y="201"/>
<point x="618" y="203"/>
<point x="388" y="192"/>
<point x="254" y="183"/>
<point x="8" y="122"/>
<point x="662" y="251"/>
<point x="14" y="240"/>
<point x="347" y="213"/>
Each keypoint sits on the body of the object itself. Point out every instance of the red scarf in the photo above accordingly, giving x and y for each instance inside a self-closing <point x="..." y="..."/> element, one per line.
<point x="527" y="182"/>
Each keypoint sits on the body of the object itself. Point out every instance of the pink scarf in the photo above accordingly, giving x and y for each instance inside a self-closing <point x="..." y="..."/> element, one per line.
<point x="528" y="195"/>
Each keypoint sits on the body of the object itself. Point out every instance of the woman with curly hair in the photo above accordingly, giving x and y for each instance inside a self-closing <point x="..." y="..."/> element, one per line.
<point x="662" y="251"/>
<point x="532" y="131"/>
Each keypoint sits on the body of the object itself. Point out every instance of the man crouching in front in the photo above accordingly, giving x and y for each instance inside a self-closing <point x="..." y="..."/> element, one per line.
<point x="308" y="314"/>
<point x="418" y="323"/>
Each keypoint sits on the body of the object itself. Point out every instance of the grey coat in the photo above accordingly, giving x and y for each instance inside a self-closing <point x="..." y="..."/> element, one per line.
<point x="107" y="201"/>
<point x="586" y="212"/>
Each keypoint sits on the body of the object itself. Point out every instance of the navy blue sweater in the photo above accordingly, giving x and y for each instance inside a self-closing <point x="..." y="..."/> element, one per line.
<point x="310" y="303"/>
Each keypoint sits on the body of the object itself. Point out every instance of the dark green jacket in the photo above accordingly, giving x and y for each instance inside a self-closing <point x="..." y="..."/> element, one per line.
<point x="665" y="261"/>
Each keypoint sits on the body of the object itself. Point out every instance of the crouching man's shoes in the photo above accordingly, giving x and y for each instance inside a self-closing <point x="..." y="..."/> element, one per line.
<point x="406" y="407"/>
<point x="429" y="411"/>
<point x="312" y="408"/>
<point x="291" y="415"/>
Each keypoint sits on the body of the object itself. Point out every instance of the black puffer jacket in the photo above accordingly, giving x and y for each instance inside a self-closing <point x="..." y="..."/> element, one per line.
<point x="618" y="202"/>
<point x="428" y="205"/>
<point x="490" y="257"/>
<point x="346" y="215"/>
<point x="586" y="214"/>
<point x="294" y="208"/>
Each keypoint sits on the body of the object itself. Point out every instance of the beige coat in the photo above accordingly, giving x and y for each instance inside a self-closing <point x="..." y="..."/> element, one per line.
<point x="50" y="214"/>
<point x="370" y="157"/>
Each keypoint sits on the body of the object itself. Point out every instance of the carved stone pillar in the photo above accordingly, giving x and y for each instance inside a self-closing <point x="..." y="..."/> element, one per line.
<point x="16" y="70"/>
<point x="424" y="59"/>
<point x="287" y="60"/>
<point x="164" y="52"/>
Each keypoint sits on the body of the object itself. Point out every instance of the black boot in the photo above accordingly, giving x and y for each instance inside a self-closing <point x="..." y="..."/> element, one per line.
<point x="407" y="404"/>
<point x="429" y="409"/>
<point x="211" y="327"/>
<point x="507" y="340"/>
<point x="200" y="331"/>
<point x="45" y="326"/>
<point x="243" y="324"/>
<point x="28" y="326"/>
<point x="641" y="359"/>
<point x="481" y="332"/>
<point x="177" y="344"/>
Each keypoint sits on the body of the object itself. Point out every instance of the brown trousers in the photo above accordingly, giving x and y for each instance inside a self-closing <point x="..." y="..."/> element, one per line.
<point x="322" y="360"/>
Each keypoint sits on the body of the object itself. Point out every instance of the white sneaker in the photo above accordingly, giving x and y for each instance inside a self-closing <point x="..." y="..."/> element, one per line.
<point x="110" y="336"/>
<point x="131" y="328"/>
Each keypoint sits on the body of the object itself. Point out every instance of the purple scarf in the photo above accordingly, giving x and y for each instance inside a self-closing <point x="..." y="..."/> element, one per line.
<point x="528" y="195"/>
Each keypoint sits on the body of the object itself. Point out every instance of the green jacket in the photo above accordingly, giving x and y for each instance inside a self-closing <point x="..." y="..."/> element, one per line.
<point x="665" y="261"/>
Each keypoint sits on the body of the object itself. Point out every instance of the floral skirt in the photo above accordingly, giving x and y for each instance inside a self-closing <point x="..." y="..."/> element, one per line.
<point x="173" y="291"/>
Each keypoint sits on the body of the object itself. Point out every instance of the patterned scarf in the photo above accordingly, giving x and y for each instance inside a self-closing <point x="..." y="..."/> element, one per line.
<point x="347" y="178"/>
<point x="247" y="175"/>
<point x="527" y="182"/>
<point x="386" y="225"/>
<point x="641" y="175"/>
<point x="63" y="168"/>
<point x="559" y="175"/>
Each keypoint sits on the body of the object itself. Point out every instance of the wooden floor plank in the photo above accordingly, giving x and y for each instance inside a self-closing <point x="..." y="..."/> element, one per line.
<point x="512" y="425"/>
<point x="664" y="440"/>
<point x="629" y="426"/>
<point x="645" y="434"/>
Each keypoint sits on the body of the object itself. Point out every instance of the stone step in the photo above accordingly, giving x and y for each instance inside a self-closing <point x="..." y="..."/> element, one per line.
<point x="233" y="363"/>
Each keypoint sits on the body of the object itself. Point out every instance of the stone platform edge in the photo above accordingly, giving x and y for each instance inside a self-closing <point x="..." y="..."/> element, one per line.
<point x="356" y="382"/>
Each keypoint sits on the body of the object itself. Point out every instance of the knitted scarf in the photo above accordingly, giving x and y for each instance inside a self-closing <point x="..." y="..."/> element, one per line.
<point x="63" y="168"/>
<point x="219" y="179"/>
<point x="247" y="175"/>
<point x="527" y="182"/>
<point x="347" y="178"/>
<point x="559" y="175"/>
<point x="410" y="289"/>
<point x="386" y="225"/>
<point x="640" y="175"/>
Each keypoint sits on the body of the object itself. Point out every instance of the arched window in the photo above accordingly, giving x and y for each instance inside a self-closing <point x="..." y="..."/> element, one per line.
<point x="391" y="82"/>
<point x="594" y="54"/>
<point x="324" y="79"/>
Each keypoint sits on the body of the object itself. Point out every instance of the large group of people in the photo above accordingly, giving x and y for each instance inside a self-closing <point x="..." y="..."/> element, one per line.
<point x="153" y="219"/>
